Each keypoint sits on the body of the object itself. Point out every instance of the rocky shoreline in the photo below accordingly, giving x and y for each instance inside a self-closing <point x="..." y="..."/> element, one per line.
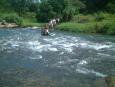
<point x="13" y="25"/>
<point x="8" y="25"/>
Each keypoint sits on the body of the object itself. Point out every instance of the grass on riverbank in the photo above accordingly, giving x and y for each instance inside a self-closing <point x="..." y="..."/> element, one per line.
<point x="103" y="23"/>
<point x="76" y="27"/>
<point x="28" y="20"/>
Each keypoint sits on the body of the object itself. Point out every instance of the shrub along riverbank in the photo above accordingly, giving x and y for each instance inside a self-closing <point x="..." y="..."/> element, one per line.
<point x="102" y="23"/>
<point x="28" y="20"/>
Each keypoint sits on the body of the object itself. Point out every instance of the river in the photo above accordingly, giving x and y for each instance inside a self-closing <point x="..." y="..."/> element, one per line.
<point x="59" y="60"/>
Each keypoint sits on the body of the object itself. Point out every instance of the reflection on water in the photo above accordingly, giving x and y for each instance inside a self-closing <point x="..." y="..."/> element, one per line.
<point x="58" y="60"/>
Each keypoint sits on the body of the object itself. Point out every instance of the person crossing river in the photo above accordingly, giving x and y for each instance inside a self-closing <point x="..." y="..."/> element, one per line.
<point x="52" y="23"/>
<point x="45" y="30"/>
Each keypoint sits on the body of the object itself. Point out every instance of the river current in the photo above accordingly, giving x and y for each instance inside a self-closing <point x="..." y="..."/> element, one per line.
<point x="59" y="60"/>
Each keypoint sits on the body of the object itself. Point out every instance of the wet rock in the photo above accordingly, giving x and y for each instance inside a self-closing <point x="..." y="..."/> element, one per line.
<point x="7" y="25"/>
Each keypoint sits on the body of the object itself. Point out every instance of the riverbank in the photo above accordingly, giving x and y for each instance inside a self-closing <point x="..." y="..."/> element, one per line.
<point x="30" y="22"/>
<point x="13" y="20"/>
<point x="8" y="25"/>
<point x="102" y="23"/>
<point x="98" y="23"/>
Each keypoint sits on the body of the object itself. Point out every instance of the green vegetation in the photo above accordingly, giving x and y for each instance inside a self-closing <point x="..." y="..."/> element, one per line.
<point x="76" y="27"/>
<point x="55" y="8"/>
<point x="102" y="23"/>
<point x="30" y="20"/>
<point x="87" y="16"/>
<point x="110" y="81"/>
<point x="11" y="18"/>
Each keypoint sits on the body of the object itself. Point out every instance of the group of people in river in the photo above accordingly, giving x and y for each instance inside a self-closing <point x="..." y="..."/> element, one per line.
<point x="52" y="23"/>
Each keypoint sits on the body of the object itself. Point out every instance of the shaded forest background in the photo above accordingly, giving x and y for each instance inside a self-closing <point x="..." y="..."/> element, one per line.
<point x="46" y="9"/>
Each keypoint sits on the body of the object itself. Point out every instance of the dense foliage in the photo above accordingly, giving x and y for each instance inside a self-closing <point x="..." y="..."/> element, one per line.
<point x="47" y="9"/>
<point x="55" y="8"/>
<point x="13" y="19"/>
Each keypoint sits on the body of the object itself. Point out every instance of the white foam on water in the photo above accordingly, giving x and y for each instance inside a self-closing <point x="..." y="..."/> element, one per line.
<point x="76" y="40"/>
<point x="61" y="53"/>
<point x="55" y="43"/>
<point x="70" y="50"/>
<point x="15" y="45"/>
<point x="10" y="44"/>
<point x="98" y="74"/>
<point x="91" y="45"/>
<point x="41" y="48"/>
<point x="53" y="49"/>
<point x="61" y="62"/>
<point x="37" y="46"/>
<point x="99" y="46"/>
<point x="82" y="71"/>
<point x="6" y="43"/>
<point x="102" y="54"/>
<point x="52" y="34"/>
<point x="67" y="47"/>
<point x="34" y="46"/>
<point x="59" y="44"/>
<point x="36" y="58"/>
<point x="83" y="62"/>
<point x="83" y="44"/>
<point x="86" y="71"/>
<point x="62" y="43"/>
<point x="67" y="61"/>
<point x="47" y="39"/>
<point x="34" y="43"/>
<point x="72" y="60"/>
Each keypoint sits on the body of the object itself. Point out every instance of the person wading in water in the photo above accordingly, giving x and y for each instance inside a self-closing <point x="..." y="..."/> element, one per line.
<point x="45" y="30"/>
<point x="52" y="23"/>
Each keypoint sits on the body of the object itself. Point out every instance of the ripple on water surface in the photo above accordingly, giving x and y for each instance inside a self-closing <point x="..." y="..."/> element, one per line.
<point x="70" y="54"/>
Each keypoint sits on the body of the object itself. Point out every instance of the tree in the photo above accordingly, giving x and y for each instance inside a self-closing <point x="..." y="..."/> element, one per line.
<point x="34" y="7"/>
<point x="21" y="6"/>
<point x="111" y="6"/>
<point x="78" y="5"/>
<point x="45" y="11"/>
<point x="55" y="8"/>
<point x="95" y="5"/>
<point x="68" y="11"/>
<point x="5" y="4"/>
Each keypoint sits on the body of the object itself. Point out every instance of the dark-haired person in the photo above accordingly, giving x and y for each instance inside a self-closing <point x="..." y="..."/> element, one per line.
<point x="45" y="30"/>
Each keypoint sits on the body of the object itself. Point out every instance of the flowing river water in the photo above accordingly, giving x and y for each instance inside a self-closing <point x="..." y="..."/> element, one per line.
<point x="62" y="59"/>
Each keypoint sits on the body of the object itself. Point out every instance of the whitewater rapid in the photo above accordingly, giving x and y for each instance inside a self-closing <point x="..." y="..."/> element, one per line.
<point x="65" y="52"/>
